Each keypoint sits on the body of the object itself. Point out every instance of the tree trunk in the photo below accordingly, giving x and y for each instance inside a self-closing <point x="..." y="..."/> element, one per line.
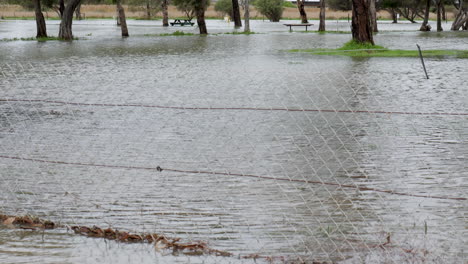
<point x="394" y="15"/>
<point x="123" y="21"/>
<point x="461" y="19"/>
<point x="117" y="16"/>
<point x="61" y="7"/>
<point x="200" y="13"/>
<point x="65" y="31"/>
<point x="148" y="10"/>
<point x="246" y="16"/>
<point x="439" y="16"/>
<point x="444" y="14"/>
<point x="373" y="15"/>
<point x="425" y="25"/>
<point x="40" y="21"/>
<point x="165" y="14"/>
<point x="302" y="12"/>
<point x="78" y="12"/>
<point x="360" y="24"/>
<point x="236" y="14"/>
<point x="322" y="16"/>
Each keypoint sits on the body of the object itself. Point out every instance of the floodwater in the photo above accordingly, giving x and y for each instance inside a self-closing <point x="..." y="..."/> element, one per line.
<point x="135" y="103"/>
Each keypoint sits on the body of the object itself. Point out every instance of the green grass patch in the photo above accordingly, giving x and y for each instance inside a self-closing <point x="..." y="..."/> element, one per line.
<point x="52" y="38"/>
<point x="353" y="49"/>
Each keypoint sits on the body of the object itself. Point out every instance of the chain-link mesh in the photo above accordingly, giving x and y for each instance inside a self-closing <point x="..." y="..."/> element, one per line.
<point x="286" y="160"/>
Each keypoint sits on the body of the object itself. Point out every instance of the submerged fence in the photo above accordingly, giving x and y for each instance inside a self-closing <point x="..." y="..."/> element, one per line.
<point x="329" y="168"/>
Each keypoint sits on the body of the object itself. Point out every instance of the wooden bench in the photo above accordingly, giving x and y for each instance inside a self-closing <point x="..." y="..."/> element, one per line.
<point x="182" y="23"/>
<point x="298" y="25"/>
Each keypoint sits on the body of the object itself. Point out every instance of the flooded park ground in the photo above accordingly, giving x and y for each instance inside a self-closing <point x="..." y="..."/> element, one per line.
<point x="233" y="140"/>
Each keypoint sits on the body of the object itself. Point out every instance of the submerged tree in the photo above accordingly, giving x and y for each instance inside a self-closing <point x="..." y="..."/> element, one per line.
<point x="246" y="16"/>
<point x="65" y="30"/>
<point x="425" y="25"/>
<point x="40" y="21"/>
<point x="360" y="24"/>
<point x="122" y="19"/>
<point x="439" y="4"/>
<point x="194" y="8"/>
<point x="164" y="5"/>
<point x="236" y="14"/>
<point x="322" y="16"/>
<point x="373" y="15"/>
<point x="302" y="12"/>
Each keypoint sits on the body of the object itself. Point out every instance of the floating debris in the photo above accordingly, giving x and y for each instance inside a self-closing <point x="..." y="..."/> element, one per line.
<point x="161" y="242"/>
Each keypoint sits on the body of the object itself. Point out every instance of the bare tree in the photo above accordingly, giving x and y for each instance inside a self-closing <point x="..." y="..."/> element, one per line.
<point x="360" y="24"/>
<point x="194" y="7"/>
<point x="302" y="12"/>
<point x="40" y="21"/>
<point x="65" y="29"/>
<point x="322" y="16"/>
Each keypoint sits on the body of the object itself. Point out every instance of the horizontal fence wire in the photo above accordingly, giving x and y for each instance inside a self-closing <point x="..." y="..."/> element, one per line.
<point x="160" y="169"/>
<point x="236" y="108"/>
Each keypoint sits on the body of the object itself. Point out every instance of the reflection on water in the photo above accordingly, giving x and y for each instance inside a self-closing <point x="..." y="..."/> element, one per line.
<point x="417" y="154"/>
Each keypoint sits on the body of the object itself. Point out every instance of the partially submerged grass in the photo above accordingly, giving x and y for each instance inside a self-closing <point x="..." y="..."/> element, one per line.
<point x="354" y="49"/>
<point x="176" y="33"/>
<point x="33" y="39"/>
<point x="324" y="32"/>
<point x="241" y="33"/>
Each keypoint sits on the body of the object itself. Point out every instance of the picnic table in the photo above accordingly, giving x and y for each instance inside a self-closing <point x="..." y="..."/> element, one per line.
<point x="298" y="25"/>
<point x="182" y="23"/>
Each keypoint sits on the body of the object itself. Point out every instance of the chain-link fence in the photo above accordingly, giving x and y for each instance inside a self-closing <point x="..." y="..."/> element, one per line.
<point x="267" y="158"/>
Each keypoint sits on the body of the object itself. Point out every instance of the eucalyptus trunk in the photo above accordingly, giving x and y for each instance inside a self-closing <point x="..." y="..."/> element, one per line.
<point x="246" y="16"/>
<point x="117" y="16"/>
<point x="148" y="10"/>
<point x="302" y="12"/>
<point x="322" y="16"/>
<point x="394" y="16"/>
<point x="373" y="15"/>
<point x="360" y="24"/>
<point x="439" y="15"/>
<point x="425" y="25"/>
<point x="165" y="14"/>
<point x="236" y="14"/>
<point x="123" y="21"/>
<point x="65" y="29"/>
<point x="200" y="13"/>
<point x="61" y="7"/>
<point x="78" y="12"/>
<point x="461" y="19"/>
<point x="40" y="21"/>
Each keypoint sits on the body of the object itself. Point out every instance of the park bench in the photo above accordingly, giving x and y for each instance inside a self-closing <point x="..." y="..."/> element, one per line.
<point x="182" y="23"/>
<point x="298" y="25"/>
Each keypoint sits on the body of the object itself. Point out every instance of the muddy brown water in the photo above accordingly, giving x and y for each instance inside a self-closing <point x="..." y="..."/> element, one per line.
<point x="410" y="153"/>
